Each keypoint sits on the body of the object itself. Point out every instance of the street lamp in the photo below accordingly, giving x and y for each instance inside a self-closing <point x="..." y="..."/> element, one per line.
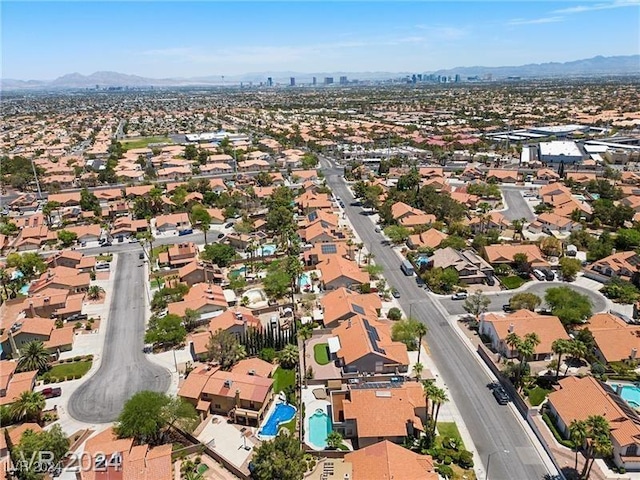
<point x="489" y="461"/>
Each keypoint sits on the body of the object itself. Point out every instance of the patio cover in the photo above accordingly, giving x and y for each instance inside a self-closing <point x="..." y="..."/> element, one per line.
<point x="334" y="344"/>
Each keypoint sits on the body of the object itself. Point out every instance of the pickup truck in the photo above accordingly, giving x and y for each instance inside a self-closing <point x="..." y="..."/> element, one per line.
<point x="51" y="392"/>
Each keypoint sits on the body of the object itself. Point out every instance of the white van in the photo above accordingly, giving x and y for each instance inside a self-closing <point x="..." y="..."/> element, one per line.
<point x="539" y="274"/>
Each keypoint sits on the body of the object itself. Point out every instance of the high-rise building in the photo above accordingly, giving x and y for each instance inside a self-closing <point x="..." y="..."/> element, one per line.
<point x="328" y="80"/>
<point x="269" y="82"/>
<point x="314" y="81"/>
<point x="457" y="78"/>
<point x="292" y="81"/>
<point x="343" y="80"/>
<point x="414" y="79"/>
<point x="419" y="77"/>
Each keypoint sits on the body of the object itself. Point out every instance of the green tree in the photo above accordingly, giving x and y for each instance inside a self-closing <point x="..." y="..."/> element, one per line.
<point x="568" y="305"/>
<point x="569" y="267"/>
<point x="599" y="445"/>
<point x="334" y="440"/>
<point x="29" y="264"/>
<point x="219" y="253"/>
<point x="280" y="458"/>
<point x="407" y="331"/>
<point x="89" y="202"/>
<point x="560" y="346"/>
<point x="276" y="283"/>
<point x="32" y="443"/>
<point x="200" y="216"/>
<point x="551" y="246"/>
<point x="453" y="241"/>
<point x="67" y="238"/>
<point x="190" y="319"/>
<point x="441" y="280"/>
<point x="225" y="349"/>
<point x="394" y="313"/>
<point x="33" y="356"/>
<point x="578" y="435"/>
<point x="263" y="179"/>
<point x="190" y="152"/>
<point x="524" y="300"/>
<point x="167" y="331"/>
<point x="289" y="356"/>
<point x="627" y="239"/>
<point x="48" y="209"/>
<point x="28" y="406"/>
<point x="94" y="292"/>
<point x="397" y="234"/>
<point x="476" y="304"/>
<point x="521" y="262"/>
<point x="146" y="415"/>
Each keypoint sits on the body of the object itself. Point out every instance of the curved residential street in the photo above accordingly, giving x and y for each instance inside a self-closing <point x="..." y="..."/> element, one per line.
<point x="455" y="307"/>
<point x="124" y="369"/>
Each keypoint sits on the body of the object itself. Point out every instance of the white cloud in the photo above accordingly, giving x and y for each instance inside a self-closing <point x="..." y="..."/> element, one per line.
<point x="598" y="6"/>
<point x="535" y="21"/>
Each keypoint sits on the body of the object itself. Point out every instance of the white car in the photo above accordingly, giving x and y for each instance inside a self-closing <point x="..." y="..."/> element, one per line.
<point x="459" y="296"/>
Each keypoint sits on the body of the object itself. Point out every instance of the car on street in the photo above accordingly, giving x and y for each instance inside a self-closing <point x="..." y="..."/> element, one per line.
<point x="459" y="296"/>
<point x="501" y="395"/>
<point x="507" y="308"/>
<point x="51" y="392"/>
<point x="141" y="255"/>
<point x="377" y="229"/>
<point x="106" y="244"/>
<point x="395" y="293"/>
<point x="221" y="235"/>
<point x="229" y="225"/>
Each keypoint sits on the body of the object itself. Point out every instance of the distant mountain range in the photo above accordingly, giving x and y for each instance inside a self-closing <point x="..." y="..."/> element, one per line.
<point x="590" y="67"/>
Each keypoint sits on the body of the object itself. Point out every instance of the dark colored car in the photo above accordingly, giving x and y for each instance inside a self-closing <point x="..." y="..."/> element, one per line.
<point x="395" y="293"/>
<point x="51" y="392"/>
<point x="507" y="308"/>
<point x="141" y="255"/>
<point x="106" y="244"/>
<point x="550" y="276"/>
<point x="229" y="225"/>
<point x="501" y="395"/>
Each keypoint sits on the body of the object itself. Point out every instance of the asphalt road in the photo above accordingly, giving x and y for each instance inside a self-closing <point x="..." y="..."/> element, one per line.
<point x="124" y="369"/>
<point x="455" y="307"/>
<point x="517" y="206"/>
<point x="495" y="430"/>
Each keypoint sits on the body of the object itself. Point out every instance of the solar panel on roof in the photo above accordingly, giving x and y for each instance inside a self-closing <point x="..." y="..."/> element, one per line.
<point x="358" y="309"/>
<point x="328" y="248"/>
<point x="312" y="216"/>
<point x="371" y="330"/>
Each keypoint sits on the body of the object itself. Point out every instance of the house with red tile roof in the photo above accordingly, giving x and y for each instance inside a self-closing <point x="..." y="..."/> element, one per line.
<point x="72" y="259"/>
<point x="323" y="251"/>
<point x="339" y="272"/>
<point x="579" y="398"/>
<point x="173" y="221"/>
<point x="200" y="272"/>
<point x="503" y="176"/>
<point x="241" y="396"/>
<point x="619" y="264"/>
<point x="341" y="304"/>
<point x="13" y="383"/>
<point x="26" y="330"/>
<point x="364" y="345"/>
<point x="179" y="255"/>
<point x="125" y="460"/>
<point x="430" y="239"/>
<point x="385" y="461"/>
<point x="504" y="253"/>
<point x="370" y="415"/>
<point x="64" y="278"/>
<point x="616" y="340"/>
<point x="548" y="328"/>
<point x="203" y="298"/>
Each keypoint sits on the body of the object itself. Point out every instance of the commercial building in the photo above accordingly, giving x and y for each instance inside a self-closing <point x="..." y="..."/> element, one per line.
<point x="559" y="151"/>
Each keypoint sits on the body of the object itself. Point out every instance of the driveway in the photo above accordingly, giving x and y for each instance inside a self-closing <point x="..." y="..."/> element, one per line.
<point x="455" y="307"/>
<point x="124" y="369"/>
<point x="517" y="205"/>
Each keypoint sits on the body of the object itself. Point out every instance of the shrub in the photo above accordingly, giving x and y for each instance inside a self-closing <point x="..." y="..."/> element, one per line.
<point x="88" y="326"/>
<point x="554" y="430"/>
<point x="445" y="471"/>
<point x="447" y="460"/>
<point x="77" y="359"/>
<point x="89" y="357"/>
<point x="47" y="381"/>
<point x="394" y="314"/>
<point x="197" y="460"/>
<point x="267" y="354"/>
<point x="465" y="459"/>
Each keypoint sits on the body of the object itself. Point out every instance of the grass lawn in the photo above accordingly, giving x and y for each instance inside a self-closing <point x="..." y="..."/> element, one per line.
<point x="449" y="429"/>
<point x="143" y="142"/>
<point x="460" y="473"/>
<point x="321" y="353"/>
<point x="157" y="283"/>
<point x="290" y="425"/>
<point x="104" y="258"/>
<point x="70" y="369"/>
<point x="158" y="250"/>
<point x="282" y="378"/>
<point x="512" y="282"/>
<point x="537" y="395"/>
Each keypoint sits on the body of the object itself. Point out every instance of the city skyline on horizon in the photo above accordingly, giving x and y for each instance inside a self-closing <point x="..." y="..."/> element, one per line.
<point x="131" y="38"/>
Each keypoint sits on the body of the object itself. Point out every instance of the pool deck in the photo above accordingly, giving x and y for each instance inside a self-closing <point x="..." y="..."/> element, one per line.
<point x="311" y="405"/>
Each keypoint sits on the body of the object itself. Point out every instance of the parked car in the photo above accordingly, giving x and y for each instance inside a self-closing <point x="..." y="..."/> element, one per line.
<point x="507" y="308"/>
<point x="51" y="392"/>
<point x="106" y="244"/>
<point x="549" y="275"/>
<point x="395" y="293"/>
<point x="377" y="229"/>
<point x="141" y="255"/>
<point x="538" y="274"/>
<point x="501" y="395"/>
<point x="459" y="296"/>
<point x="76" y="317"/>
<point x="491" y="281"/>
<point x="229" y="225"/>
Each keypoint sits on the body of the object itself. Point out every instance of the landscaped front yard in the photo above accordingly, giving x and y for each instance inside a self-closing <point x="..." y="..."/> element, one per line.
<point x="512" y="282"/>
<point x="321" y="353"/>
<point x="68" y="371"/>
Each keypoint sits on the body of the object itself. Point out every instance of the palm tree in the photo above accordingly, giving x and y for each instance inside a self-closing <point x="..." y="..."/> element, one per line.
<point x="438" y="397"/>
<point x="417" y="370"/>
<point x="577" y="350"/>
<point x="33" y="356"/>
<point x="28" y="406"/>
<point x="527" y="349"/>
<point x="4" y="280"/>
<point x="421" y="331"/>
<point x="288" y="356"/>
<point x="598" y="431"/>
<point x="578" y="435"/>
<point x="334" y="439"/>
<point x="305" y="333"/>
<point x="560" y="347"/>
<point x="513" y="341"/>
<point x="94" y="292"/>
<point x="428" y="387"/>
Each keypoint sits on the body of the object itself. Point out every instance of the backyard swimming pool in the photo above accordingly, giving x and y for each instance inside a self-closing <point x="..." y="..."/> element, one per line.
<point x="304" y="280"/>
<point x="267" y="249"/>
<point x="283" y="413"/>
<point x="320" y="427"/>
<point x="238" y="271"/>
<point x="630" y="393"/>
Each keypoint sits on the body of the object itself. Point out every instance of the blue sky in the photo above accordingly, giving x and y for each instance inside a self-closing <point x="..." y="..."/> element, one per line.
<point x="43" y="40"/>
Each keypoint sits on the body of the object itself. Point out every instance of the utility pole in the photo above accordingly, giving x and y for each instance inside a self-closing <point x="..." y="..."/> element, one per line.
<point x="35" y="175"/>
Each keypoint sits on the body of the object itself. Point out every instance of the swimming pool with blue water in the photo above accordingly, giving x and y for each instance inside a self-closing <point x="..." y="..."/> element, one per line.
<point x="283" y="413"/>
